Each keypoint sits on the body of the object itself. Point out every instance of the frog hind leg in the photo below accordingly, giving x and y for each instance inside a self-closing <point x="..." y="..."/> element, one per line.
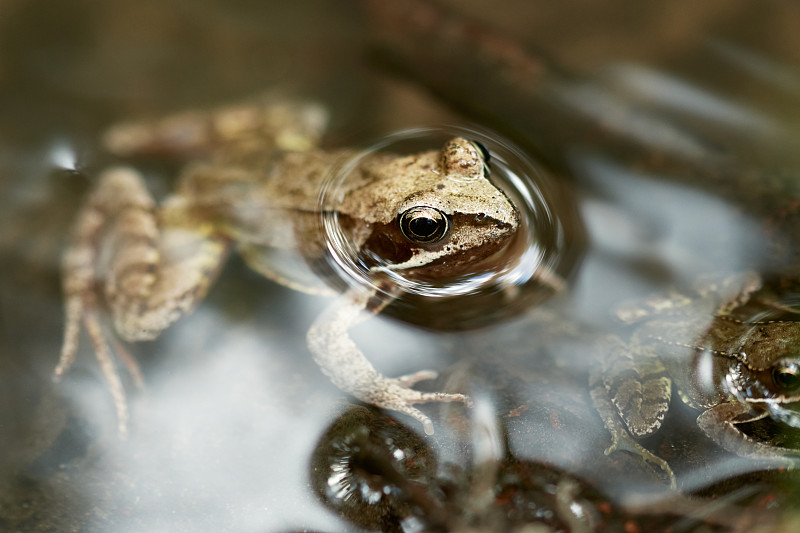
<point x="631" y="394"/>
<point x="253" y="125"/>
<point x="345" y="365"/>
<point x="153" y="274"/>
<point x="639" y="387"/>
<point x="621" y="439"/>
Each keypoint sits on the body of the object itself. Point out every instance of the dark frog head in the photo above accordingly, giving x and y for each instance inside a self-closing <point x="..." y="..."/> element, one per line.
<point x="768" y="371"/>
<point x="432" y="215"/>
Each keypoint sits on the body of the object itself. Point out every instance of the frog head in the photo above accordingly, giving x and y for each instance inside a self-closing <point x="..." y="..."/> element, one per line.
<point x="768" y="371"/>
<point x="435" y="214"/>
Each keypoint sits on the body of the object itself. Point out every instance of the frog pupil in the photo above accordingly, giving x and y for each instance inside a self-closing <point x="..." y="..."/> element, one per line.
<point x="786" y="377"/>
<point x="423" y="224"/>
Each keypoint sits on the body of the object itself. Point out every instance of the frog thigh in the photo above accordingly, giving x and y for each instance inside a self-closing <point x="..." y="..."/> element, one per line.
<point x="640" y="389"/>
<point x="730" y="291"/>
<point x="153" y="273"/>
<point x="620" y="437"/>
<point x="636" y="311"/>
<point x="254" y="125"/>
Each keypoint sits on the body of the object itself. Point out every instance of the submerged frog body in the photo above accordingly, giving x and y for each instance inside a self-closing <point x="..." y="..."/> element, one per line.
<point x="735" y="371"/>
<point x="433" y="214"/>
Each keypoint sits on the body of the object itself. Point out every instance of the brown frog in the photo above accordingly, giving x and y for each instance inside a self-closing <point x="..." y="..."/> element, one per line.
<point x="733" y="370"/>
<point x="432" y="215"/>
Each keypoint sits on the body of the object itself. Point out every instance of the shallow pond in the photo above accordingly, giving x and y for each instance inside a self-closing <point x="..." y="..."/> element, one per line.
<point x="669" y="134"/>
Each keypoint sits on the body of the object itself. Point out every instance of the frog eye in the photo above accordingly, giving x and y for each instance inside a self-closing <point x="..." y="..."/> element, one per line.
<point x="423" y="225"/>
<point x="484" y="152"/>
<point x="786" y="376"/>
<point x="484" y="155"/>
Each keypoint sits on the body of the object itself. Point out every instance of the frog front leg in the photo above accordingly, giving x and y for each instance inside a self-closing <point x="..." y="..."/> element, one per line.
<point x="151" y="267"/>
<point x="341" y="360"/>
<point x="720" y="422"/>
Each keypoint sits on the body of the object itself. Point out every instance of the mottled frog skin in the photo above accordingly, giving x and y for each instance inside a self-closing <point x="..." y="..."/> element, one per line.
<point x="731" y="369"/>
<point x="255" y="186"/>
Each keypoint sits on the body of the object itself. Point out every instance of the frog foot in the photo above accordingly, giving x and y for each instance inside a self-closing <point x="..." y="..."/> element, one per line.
<point x="81" y="309"/>
<point x="396" y="394"/>
<point x="409" y="380"/>
<point x="622" y="441"/>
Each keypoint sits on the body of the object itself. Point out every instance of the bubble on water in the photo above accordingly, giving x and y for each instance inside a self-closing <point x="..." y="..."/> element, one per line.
<point x="534" y="265"/>
<point x="63" y="155"/>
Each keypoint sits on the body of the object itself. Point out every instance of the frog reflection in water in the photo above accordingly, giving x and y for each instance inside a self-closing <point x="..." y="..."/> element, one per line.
<point x="734" y="371"/>
<point x="433" y="215"/>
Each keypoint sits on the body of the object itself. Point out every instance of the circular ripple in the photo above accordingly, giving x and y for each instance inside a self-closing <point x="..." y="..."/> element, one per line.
<point x="533" y="266"/>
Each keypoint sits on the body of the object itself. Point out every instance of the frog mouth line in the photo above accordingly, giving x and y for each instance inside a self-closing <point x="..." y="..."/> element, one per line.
<point x="780" y="410"/>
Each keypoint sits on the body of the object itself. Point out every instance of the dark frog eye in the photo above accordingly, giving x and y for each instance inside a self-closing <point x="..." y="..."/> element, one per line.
<point x="423" y="225"/>
<point x="484" y="152"/>
<point x="485" y="155"/>
<point x="786" y="376"/>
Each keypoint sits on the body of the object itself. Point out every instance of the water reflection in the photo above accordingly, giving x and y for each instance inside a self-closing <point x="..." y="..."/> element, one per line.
<point x="219" y="436"/>
<point x="691" y="234"/>
<point x="381" y="476"/>
<point x="672" y="98"/>
<point x="374" y="472"/>
<point x="757" y="65"/>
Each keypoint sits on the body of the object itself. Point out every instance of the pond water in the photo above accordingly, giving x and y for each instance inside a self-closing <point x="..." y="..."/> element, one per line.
<point x="670" y="135"/>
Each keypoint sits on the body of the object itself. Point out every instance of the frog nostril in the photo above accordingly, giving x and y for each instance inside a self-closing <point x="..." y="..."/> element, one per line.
<point x="484" y="152"/>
